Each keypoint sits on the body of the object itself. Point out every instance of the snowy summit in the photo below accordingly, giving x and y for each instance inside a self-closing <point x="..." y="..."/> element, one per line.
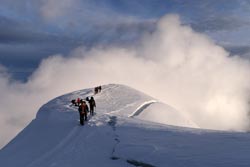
<point x="129" y="128"/>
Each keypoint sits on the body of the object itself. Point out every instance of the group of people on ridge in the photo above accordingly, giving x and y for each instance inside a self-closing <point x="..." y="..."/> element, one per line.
<point x="98" y="89"/>
<point x="84" y="109"/>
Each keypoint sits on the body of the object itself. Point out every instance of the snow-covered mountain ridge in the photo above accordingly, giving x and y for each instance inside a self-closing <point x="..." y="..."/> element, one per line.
<point x="118" y="100"/>
<point x="129" y="129"/>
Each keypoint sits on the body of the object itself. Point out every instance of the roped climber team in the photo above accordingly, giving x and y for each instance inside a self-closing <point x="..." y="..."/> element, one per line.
<point x="83" y="107"/>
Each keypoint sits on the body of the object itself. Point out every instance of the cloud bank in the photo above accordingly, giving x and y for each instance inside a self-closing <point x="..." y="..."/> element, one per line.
<point x="176" y="65"/>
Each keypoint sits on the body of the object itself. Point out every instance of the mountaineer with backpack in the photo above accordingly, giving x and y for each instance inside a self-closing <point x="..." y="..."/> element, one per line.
<point x="78" y="101"/>
<point x="92" y="105"/>
<point x="81" y="114"/>
<point x="85" y="109"/>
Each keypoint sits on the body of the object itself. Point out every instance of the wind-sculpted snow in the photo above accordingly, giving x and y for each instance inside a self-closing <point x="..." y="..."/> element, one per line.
<point x="111" y="138"/>
<point x="140" y="109"/>
<point x="162" y="113"/>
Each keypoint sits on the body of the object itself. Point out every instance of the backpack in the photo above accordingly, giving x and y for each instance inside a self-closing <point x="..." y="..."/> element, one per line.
<point x="92" y="102"/>
<point x="80" y="108"/>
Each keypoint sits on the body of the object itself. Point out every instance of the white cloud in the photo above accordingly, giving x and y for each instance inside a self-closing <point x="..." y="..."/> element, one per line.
<point x="180" y="67"/>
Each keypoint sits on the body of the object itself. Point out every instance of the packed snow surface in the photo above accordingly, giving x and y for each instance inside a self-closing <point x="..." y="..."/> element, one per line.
<point x="128" y="129"/>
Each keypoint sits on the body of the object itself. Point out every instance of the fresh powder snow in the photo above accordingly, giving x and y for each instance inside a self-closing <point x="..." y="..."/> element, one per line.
<point x="129" y="129"/>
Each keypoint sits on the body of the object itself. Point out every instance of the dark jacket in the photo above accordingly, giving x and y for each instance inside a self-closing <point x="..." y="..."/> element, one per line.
<point x="92" y="102"/>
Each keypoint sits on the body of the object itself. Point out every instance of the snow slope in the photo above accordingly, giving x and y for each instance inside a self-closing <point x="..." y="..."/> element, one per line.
<point x="129" y="129"/>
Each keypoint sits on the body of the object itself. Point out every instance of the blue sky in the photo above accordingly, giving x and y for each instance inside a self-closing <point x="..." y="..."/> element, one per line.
<point x="33" y="30"/>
